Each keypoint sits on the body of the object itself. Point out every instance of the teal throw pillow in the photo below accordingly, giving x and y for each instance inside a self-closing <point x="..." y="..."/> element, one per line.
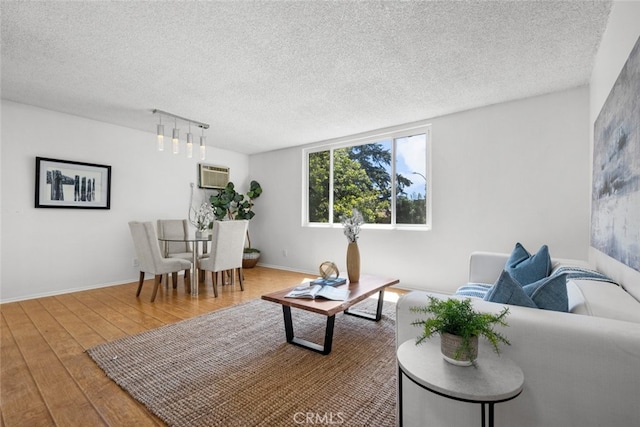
<point x="518" y="255"/>
<point x="549" y="293"/>
<point x="506" y="290"/>
<point x="526" y="268"/>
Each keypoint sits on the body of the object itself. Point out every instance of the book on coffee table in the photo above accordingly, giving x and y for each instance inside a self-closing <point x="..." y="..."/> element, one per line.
<point x="318" y="291"/>
<point x="336" y="281"/>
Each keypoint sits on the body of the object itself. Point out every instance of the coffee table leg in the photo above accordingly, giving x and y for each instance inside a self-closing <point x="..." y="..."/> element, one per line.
<point x="328" y="334"/>
<point x="363" y="315"/>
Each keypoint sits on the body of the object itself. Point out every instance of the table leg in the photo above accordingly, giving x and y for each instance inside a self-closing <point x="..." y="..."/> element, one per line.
<point x="363" y="315"/>
<point x="484" y="414"/>
<point x="399" y="396"/>
<point x="328" y="334"/>
<point x="288" y="323"/>
<point x="490" y="414"/>
<point x="194" y="279"/>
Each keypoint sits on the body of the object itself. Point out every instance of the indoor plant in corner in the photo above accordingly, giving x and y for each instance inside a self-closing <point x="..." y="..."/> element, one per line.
<point x="459" y="327"/>
<point x="228" y="203"/>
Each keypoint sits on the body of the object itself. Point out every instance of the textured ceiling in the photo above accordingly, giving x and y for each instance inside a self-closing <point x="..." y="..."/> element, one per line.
<point x="268" y="75"/>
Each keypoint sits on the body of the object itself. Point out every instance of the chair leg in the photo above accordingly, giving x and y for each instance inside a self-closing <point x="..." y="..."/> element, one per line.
<point x="156" y="285"/>
<point x="240" y="278"/>
<point x="174" y="279"/>
<point x="215" y="283"/>
<point x="223" y="280"/>
<point x="187" y="281"/>
<point x="140" y="283"/>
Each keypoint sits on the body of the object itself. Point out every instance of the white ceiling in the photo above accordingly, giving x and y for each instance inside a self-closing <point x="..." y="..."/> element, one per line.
<point x="267" y="75"/>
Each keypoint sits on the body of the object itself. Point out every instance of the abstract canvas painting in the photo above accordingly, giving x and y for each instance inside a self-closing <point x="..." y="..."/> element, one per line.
<point x="615" y="215"/>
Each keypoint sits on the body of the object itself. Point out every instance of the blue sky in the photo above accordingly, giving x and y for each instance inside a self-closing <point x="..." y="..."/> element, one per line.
<point x="411" y="157"/>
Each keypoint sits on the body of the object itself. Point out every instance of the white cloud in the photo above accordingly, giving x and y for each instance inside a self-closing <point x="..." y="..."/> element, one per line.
<point x="412" y="151"/>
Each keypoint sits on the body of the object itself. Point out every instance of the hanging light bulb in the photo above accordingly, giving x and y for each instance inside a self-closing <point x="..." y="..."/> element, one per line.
<point x="160" y="134"/>
<point x="189" y="143"/>
<point x="176" y="139"/>
<point x="203" y="147"/>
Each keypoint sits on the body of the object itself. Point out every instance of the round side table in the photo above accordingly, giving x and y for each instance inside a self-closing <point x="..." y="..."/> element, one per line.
<point x="496" y="379"/>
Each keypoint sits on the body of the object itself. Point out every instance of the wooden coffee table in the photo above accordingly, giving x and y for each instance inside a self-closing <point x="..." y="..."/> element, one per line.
<point x="367" y="286"/>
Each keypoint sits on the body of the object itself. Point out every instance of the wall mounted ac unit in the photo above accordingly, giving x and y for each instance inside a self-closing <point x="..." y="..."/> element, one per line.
<point x="210" y="176"/>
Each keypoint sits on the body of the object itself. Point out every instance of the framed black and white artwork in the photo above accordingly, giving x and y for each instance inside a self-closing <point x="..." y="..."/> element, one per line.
<point x="69" y="184"/>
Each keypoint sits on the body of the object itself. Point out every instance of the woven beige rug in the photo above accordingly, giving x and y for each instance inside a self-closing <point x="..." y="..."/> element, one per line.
<point x="233" y="367"/>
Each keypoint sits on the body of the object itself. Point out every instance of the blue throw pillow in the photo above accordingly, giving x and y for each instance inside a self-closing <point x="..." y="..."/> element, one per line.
<point x="518" y="255"/>
<point x="508" y="291"/>
<point x="526" y="268"/>
<point x="549" y="293"/>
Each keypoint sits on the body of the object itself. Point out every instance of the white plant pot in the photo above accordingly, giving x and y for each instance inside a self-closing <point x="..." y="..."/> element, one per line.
<point x="449" y="345"/>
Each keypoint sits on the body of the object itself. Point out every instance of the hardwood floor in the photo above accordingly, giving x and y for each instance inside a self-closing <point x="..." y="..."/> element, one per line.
<point x="46" y="378"/>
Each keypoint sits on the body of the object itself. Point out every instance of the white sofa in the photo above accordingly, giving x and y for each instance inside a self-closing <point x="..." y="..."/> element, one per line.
<point x="581" y="368"/>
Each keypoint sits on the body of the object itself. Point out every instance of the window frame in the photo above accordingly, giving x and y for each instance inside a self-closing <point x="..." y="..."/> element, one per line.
<point x="361" y="139"/>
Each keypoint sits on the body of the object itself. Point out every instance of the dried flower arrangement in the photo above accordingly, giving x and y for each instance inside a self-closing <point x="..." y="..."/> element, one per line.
<point x="351" y="225"/>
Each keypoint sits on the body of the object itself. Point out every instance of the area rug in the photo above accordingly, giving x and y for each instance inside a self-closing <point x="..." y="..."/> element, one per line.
<point x="233" y="367"/>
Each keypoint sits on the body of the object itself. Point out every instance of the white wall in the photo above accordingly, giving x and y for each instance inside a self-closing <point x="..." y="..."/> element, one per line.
<point x="618" y="40"/>
<point x="511" y="172"/>
<point x="51" y="251"/>
<point x="518" y="171"/>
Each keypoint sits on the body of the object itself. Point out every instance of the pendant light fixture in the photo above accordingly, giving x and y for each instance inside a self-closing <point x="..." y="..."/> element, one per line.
<point x="176" y="138"/>
<point x="160" y="133"/>
<point x="176" y="134"/>
<point x="203" y="147"/>
<point x="189" y="143"/>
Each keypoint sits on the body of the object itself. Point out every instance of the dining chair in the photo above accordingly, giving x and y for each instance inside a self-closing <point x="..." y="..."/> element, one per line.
<point x="175" y="228"/>
<point x="227" y="246"/>
<point x="151" y="260"/>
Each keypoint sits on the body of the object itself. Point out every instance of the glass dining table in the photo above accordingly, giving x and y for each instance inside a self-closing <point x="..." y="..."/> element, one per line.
<point x="200" y="242"/>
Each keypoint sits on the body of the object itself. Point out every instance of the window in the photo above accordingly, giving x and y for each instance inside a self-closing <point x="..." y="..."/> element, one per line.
<point x="385" y="177"/>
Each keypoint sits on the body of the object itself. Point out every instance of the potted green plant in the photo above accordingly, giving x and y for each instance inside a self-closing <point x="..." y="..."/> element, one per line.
<point x="230" y="204"/>
<point x="459" y="327"/>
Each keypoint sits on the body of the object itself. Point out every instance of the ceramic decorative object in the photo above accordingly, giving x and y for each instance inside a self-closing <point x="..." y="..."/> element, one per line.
<point x="353" y="262"/>
<point x="206" y="232"/>
<point x="451" y="344"/>
<point x="329" y="270"/>
<point x="351" y="225"/>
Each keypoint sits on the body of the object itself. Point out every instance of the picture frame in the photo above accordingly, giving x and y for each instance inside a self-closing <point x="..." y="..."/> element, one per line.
<point x="70" y="184"/>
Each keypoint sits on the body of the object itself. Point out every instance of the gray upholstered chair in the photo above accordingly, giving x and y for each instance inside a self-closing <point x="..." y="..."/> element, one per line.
<point x="151" y="260"/>
<point x="227" y="246"/>
<point x="178" y="228"/>
<point x="175" y="228"/>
